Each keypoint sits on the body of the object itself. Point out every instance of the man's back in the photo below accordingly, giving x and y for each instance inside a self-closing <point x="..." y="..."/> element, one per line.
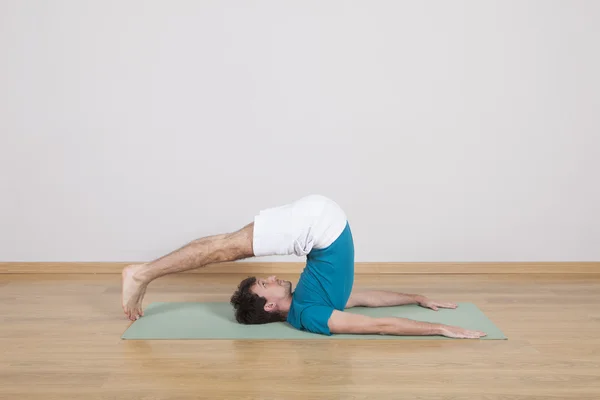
<point x="325" y="284"/>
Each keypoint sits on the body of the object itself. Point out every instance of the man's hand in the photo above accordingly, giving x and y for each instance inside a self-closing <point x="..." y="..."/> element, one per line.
<point x="460" y="333"/>
<point x="434" y="305"/>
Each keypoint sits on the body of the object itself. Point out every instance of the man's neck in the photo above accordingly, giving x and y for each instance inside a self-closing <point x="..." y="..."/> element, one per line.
<point x="285" y="306"/>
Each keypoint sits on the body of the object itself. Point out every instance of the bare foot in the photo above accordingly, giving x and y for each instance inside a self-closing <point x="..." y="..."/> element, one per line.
<point x="133" y="292"/>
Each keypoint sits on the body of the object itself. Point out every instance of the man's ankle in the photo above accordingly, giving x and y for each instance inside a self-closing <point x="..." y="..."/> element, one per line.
<point x="140" y="274"/>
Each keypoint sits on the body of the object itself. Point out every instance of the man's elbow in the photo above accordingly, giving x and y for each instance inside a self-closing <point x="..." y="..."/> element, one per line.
<point x="383" y="326"/>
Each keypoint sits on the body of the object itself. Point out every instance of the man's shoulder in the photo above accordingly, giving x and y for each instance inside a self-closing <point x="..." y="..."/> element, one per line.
<point x="310" y="316"/>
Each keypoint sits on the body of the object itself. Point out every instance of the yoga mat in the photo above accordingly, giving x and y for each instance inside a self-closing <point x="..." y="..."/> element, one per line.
<point x="217" y="321"/>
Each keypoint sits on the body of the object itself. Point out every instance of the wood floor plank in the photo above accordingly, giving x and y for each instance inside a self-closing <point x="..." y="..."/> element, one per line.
<point x="60" y="339"/>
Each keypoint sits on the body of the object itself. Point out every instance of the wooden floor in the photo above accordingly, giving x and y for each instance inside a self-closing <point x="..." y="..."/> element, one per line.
<point x="60" y="339"/>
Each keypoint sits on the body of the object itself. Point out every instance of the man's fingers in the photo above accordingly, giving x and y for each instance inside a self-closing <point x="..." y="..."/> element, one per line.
<point x="476" y="334"/>
<point x="473" y="336"/>
<point x="460" y="333"/>
<point x="447" y="305"/>
<point x="443" y="304"/>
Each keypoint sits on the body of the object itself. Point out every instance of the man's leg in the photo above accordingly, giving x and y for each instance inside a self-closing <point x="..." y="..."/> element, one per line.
<point x="208" y="250"/>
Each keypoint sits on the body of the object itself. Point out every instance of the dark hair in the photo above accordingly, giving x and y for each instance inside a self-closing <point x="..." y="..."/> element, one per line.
<point x="250" y="307"/>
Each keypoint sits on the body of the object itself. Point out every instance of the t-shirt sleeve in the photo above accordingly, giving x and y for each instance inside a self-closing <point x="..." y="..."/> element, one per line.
<point x="315" y="319"/>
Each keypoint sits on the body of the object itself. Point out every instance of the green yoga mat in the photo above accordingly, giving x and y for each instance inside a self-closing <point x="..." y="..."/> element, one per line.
<point x="216" y="321"/>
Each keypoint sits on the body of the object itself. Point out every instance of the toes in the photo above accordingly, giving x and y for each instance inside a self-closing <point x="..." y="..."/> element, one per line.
<point x="134" y="314"/>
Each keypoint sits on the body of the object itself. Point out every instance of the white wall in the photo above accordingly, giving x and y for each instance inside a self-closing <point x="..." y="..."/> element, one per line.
<point x="448" y="130"/>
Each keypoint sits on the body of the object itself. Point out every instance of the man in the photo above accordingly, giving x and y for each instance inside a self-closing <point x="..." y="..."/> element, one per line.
<point x="313" y="226"/>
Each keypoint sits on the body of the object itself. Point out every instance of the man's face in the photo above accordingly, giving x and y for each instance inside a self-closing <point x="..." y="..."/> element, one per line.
<point x="272" y="289"/>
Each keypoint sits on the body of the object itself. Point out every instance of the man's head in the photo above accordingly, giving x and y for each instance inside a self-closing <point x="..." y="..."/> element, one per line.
<point x="260" y="301"/>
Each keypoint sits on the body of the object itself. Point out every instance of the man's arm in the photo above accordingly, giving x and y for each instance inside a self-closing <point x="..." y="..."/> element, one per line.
<point x="379" y="298"/>
<point x="342" y="322"/>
